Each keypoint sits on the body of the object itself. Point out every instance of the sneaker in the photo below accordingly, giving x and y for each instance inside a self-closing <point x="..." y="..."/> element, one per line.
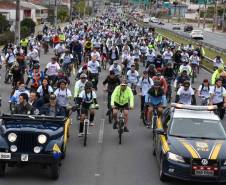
<point x="108" y="112"/>
<point x="92" y="124"/>
<point x="148" y="126"/>
<point x="115" y="125"/>
<point x="80" y="134"/>
<point x="126" y="129"/>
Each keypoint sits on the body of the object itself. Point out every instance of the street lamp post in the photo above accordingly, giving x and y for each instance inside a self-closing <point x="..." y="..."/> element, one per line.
<point x="17" y="25"/>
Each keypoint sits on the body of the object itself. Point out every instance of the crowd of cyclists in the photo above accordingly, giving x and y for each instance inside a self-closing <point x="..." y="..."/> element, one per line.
<point x="139" y="62"/>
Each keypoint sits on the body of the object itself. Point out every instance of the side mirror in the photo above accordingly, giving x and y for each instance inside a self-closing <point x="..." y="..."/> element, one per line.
<point x="159" y="131"/>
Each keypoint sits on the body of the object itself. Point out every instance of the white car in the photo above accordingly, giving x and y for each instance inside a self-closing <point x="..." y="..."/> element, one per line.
<point x="176" y="26"/>
<point x="146" y="20"/>
<point x="196" y="34"/>
<point x="154" y="20"/>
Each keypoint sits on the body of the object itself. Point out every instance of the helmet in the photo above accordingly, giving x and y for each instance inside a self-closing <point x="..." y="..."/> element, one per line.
<point x="62" y="81"/>
<point x="88" y="85"/>
<point x="186" y="83"/>
<point x="195" y="52"/>
<point x="115" y="62"/>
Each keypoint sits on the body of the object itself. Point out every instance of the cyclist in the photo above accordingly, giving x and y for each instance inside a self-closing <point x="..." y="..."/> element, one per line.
<point x="217" y="74"/>
<point x="162" y="80"/>
<point x="67" y="62"/>
<point x="194" y="59"/>
<point x="223" y="77"/>
<point x="116" y="68"/>
<point x="185" y="66"/>
<point x="51" y="70"/>
<point x="122" y="98"/>
<point x="218" y="97"/>
<point x="88" y="101"/>
<point x="167" y="55"/>
<point x="144" y="84"/>
<point x="217" y="62"/>
<point x="204" y="92"/>
<point x="21" y="89"/>
<point x="79" y="87"/>
<point x="94" y="67"/>
<point x="63" y="94"/>
<point x="185" y="94"/>
<point x="44" y="90"/>
<point x="155" y="98"/>
<point x="133" y="77"/>
<point x="111" y="82"/>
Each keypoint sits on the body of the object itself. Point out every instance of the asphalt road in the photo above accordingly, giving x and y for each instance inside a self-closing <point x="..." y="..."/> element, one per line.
<point x="214" y="39"/>
<point x="103" y="161"/>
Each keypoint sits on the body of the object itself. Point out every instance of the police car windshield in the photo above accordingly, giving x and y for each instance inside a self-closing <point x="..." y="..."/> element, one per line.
<point x="197" y="128"/>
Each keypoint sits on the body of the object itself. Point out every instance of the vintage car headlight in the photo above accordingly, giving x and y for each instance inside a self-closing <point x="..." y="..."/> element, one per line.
<point x="175" y="157"/>
<point x="12" y="137"/>
<point x="13" y="148"/>
<point x="37" y="149"/>
<point x="42" y="139"/>
<point x="224" y="162"/>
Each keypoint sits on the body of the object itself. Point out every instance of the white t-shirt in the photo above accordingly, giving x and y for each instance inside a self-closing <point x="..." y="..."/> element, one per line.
<point x="87" y="98"/>
<point x="204" y="91"/>
<point x="132" y="76"/>
<point x="145" y="84"/>
<point x="10" y="57"/>
<point x="167" y="55"/>
<point x="97" y="54"/>
<point x="40" y="90"/>
<point x="218" y="93"/>
<point x="52" y="68"/>
<point x="63" y="96"/>
<point x="117" y="69"/>
<point x="93" y="66"/>
<point x="33" y="55"/>
<point x="80" y="86"/>
<point x="185" y="97"/>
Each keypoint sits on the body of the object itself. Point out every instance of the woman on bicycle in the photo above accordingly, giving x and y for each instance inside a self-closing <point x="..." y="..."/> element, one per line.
<point x="88" y="102"/>
<point x="203" y="92"/>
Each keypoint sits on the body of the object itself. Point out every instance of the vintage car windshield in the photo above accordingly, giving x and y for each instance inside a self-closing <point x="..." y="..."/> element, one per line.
<point x="197" y="128"/>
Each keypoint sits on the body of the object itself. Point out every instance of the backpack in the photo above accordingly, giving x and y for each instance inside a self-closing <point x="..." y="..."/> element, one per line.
<point x="148" y="80"/>
<point x="208" y="87"/>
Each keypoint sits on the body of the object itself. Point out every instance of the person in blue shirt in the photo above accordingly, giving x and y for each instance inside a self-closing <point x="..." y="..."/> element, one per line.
<point x="155" y="98"/>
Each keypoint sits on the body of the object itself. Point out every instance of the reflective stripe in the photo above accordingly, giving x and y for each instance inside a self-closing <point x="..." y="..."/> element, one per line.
<point x="191" y="149"/>
<point x="215" y="151"/>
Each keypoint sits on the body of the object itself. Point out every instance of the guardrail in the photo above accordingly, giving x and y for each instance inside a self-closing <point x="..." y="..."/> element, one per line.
<point x="190" y="40"/>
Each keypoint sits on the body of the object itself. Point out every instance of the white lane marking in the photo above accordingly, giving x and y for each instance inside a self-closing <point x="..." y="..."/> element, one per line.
<point x="101" y="132"/>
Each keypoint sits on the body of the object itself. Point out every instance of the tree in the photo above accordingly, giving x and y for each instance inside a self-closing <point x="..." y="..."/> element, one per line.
<point x="4" y="26"/>
<point x="81" y="8"/>
<point x="27" y="27"/>
<point x="63" y="14"/>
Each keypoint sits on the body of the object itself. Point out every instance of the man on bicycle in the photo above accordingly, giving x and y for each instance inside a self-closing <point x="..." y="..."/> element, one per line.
<point x="155" y="98"/>
<point x="88" y="102"/>
<point x="218" y="97"/>
<point x="122" y="98"/>
<point x="203" y="92"/>
<point x="185" y="94"/>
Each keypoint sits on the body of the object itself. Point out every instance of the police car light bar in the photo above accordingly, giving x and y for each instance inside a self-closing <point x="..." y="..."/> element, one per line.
<point x="194" y="107"/>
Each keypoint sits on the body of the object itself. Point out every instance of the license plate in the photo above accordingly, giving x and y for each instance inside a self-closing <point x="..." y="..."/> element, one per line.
<point x="24" y="157"/>
<point x="204" y="172"/>
<point x="5" y="155"/>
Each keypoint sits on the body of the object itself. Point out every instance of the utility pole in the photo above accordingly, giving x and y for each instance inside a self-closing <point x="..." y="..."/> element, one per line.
<point x="215" y="17"/>
<point x="223" y="19"/>
<point x="204" y="18"/>
<point x="55" y="13"/>
<point x="199" y="15"/>
<point x="71" y="9"/>
<point x="17" y="25"/>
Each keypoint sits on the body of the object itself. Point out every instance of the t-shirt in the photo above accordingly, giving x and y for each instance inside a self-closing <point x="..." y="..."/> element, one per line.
<point x="145" y="84"/>
<point x="185" y="97"/>
<point x="10" y="57"/>
<point x="219" y="94"/>
<point x="52" y="68"/>
<point x="132" y="76"/>
<point x="94" y="66"/>
<point x="63" y="96"/>
<point x="204" y="91"/>
<point x="33" y="55"/>
<point x="40" y="90"/>
<point x="87" y="97"/>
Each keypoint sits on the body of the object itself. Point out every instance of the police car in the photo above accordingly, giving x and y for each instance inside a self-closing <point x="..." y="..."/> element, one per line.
<point x="190" y="144"/>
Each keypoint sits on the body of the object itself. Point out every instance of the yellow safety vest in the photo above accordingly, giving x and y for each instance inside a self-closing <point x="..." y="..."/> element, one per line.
<point x="24" y="43"/>
<point x="62" y="37"/>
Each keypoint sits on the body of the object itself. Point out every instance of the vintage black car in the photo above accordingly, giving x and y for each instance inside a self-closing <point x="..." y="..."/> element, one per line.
<point x="28" y="139"/>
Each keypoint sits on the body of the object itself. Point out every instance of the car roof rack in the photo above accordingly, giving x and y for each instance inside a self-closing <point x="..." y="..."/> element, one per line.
<point x="30" y="117"/>
<point x="194" y="107"/>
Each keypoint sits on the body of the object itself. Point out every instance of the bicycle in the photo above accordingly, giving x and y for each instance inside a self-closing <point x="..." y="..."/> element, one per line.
<point x="104" y="62"/>
<point x="204" y="100"/>
<point x="194" y="72"/>
<point x="121" y="124"/>
<point x="8" y="75"/>
<point x="86" y="125"/>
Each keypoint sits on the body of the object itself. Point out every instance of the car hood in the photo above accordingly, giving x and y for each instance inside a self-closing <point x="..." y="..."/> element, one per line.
<point x="197" y="148"/>
<point x="49" y="129"/>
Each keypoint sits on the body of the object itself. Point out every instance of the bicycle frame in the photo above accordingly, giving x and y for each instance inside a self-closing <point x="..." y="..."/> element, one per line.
<point x="121" y="124"/>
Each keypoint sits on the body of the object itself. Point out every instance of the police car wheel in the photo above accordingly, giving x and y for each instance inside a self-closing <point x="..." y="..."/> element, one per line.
<point x="2" y="168"/>
<point x="55" y="170"/>
<point x="162" y="176"/>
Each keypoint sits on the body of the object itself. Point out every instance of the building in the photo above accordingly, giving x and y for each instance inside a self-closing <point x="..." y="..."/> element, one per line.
<point x="27" y="10"/>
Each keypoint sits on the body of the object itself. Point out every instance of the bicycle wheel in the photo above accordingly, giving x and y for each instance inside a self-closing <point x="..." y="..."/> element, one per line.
<point x="120" y="131"/>
<point x="7" y="76"/>
<point x="110" y="116"/>
<point x="193" y="77"/>
<point x="154" y="120"/>
<point x="85" y="134"/>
